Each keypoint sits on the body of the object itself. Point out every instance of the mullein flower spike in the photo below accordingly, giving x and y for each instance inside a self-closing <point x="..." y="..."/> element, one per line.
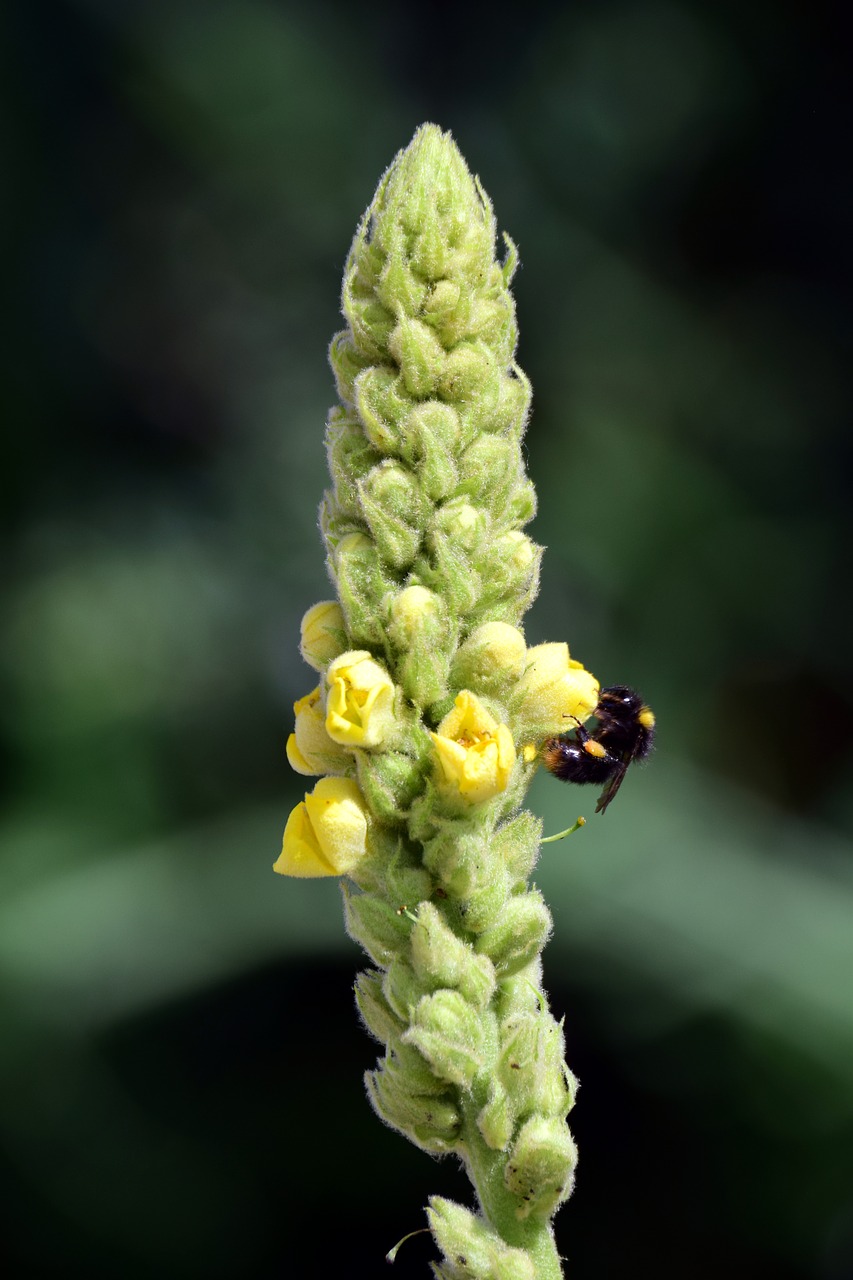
<point x="429" y="707"/>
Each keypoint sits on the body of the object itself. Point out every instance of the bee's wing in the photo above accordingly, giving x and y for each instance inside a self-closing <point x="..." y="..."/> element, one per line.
<point x="615" y="782"/>
<point x="612" y="786"/>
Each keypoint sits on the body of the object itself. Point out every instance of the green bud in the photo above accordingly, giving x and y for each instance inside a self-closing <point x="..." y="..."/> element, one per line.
<point x="376" y="926"/>
<point x="491" y="660"/>
<point x="398" y="287"/>
<point x="383" y="405"/>
<point x="371" y="322"/>
<point x="402" y="988"/>
<point x="519" y="935"/>
<point x="519" y="842"/>
<point x="350" y="456"/>
<point x="347" y="363"/>
<point x="389" y="781"/>
<point x="425" y="637"/>
<point x="441" y="959"/>
<point x="430" y="1122"/>
<point x="513" y="405"/>
<point x="428" y="439"/>
<point x="490" y="470"/>
<point x="392" y="505"/>
<point x="472" y="1249"/>
<point x="471" y="380"/>
<point x="379" y="1018"/>
<point x="496" y="1121"/>
<point x="408" y="1069"/>
<point x="531" y="1065"/>
<point x="510" y="569"/>
<point x="448" y="1031"/>
<point x="363" y="589"/>
<point x="540" y="1167"/>
<point x="420" y="356"/>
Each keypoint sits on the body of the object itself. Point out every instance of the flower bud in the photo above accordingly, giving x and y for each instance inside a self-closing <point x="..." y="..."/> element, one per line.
<point x="449" y="1033"/>
<point x="376" y="926"/>
<point x="518" y="843"/>
<point x="432" y="1123"/>
<point x="350" y="456"/>
<point x="390" y="781"/>
<point x="531" y="1065"/>
<point x="489" y="469"/>
<point x="327" y="834"/>
<point x="540" y="1167"/>
<point x="363" y="587"/>
<point x="496" y="1120"/>
<point x="420" y="355"/>
<point x="421" y="630"/>
<point x="440" y="959"/>
<point x="322" y="634"/>
<point x="553" y="692"/>
<point x="475" y="755"/>
<point x="490" y="660"/>
<point x="379" y="1018"/>
<point x="347" y="363"/>
<point x="519" y="935"/>
<point x="383" y="405"/>
<point x="393" y="506"/>
<point x="428" y="437"/>
<point x="310" y="750"/>
<point x="460" y="1234"/>
<point x="360" y="705"/>
<point x="402" y="988"/>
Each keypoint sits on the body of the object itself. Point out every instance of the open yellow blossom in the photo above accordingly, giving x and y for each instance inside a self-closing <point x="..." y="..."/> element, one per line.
<point x="326" y="835"/>
<point x="360" y="705"/>
<point x="322" y="634"/>
<point x="554" y="688"/>
<point x="475" y="753"/>
<point x="310" y="750"/>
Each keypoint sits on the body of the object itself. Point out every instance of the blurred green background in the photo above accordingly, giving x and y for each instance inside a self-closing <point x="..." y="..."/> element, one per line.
<point x="180" y="1060"/>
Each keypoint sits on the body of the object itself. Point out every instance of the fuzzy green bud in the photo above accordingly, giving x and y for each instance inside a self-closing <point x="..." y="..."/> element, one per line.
<point x="429" y="436"/>
<point x="378" y="1016"/>
<point x="431" y="1122"/>
<point x="449" y="1033"/>
<point x="423" y="633"/>
<point x="540" y="1167"/>
<point x="491" y="660"/>
<point x="518" y="842"/>
<point x="402" y="988"/>
<point x="363" y="588"/>
<point x="472" y="1250"/>
<point x="441" y="959"/>
<point x="519" y="935"/>
<point x="496" y="1121"/>
<point x="376" y="926"/>
<point x="531" y="1065"/>
<point x="393" y="507"/>
<point x="389" y="781"/>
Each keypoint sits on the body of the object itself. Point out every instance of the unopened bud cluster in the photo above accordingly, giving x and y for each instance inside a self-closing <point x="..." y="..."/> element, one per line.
<point x="428" y="701"/>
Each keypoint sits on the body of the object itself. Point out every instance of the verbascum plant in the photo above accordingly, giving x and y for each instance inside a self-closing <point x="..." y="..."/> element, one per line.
<point x="423" y="728"/>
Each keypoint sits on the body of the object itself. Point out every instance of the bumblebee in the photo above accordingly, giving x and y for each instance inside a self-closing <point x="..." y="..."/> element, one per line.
<point x="625" y="732"/>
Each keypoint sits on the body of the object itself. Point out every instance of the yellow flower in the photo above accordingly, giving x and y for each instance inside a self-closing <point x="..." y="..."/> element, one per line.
<point x="554" y="688"/>
<point x="326" y="835"/>
<point x="310" y="750"/>
<point x="475" y="753"/>
<point x="360" y="705"/>
<point x="323" y="633"/>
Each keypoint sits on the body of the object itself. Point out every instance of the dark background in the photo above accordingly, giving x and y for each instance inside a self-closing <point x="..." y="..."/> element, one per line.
<point x="180" y="1060"/>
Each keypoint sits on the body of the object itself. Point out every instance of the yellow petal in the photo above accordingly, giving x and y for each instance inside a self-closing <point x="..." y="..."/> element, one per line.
<point x="475" y="754"/>
<point x="360" y="705"/>
<point x="326" y="835"/>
